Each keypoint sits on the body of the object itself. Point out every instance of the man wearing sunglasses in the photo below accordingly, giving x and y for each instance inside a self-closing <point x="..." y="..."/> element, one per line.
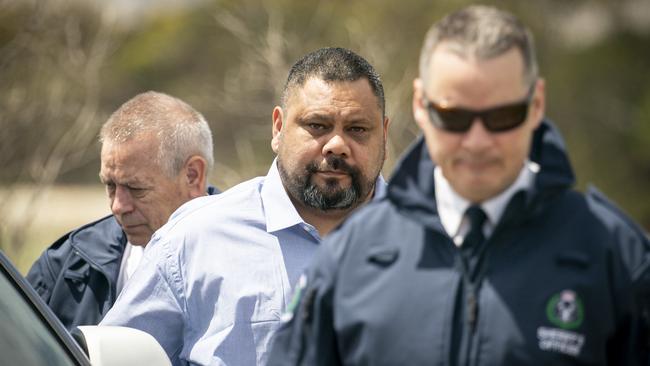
<point x="481" y="253"/>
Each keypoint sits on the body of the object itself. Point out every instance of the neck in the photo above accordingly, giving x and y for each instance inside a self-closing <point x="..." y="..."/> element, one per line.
<point x="323" y="221"/>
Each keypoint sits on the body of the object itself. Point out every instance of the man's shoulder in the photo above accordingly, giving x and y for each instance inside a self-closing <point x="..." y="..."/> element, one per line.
<point x="376" y="222"/>
<point x="378" y="208"/>
<point x="609" y="212"/>
<point x="208" y="214"/>
<point x="106" y="224"/>
<point x="101" y="229"/>
<point x="631" y="239"/>
<point x="245" y="193"/>
<point x="100" y="236"/>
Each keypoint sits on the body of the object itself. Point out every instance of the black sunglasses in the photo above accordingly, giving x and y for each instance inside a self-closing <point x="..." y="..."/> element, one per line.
<point x="497" y="119"/>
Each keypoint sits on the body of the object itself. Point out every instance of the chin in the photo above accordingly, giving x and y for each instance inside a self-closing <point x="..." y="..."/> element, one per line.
<point x="137" y="240"/>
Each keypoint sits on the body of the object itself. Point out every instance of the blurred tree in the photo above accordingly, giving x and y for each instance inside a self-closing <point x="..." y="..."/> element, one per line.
<point x="65" y="65"/>
<point x="51" y="57"/>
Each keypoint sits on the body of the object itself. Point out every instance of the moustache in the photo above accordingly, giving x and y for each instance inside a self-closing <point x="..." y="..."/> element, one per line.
<point x="333" y="163"/>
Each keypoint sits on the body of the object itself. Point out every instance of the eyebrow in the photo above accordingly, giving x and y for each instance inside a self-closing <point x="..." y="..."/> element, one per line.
<point x="361" y="120"/>
<point x="327" y="118"/>
<point x="129" y="182"/>
<point x="316" y="116"/>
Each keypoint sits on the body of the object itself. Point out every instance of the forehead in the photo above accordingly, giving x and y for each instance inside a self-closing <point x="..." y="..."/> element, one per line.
<point x="132" y="159"/>
<point x="456" y="79"/>
<point x="336" y="98"/>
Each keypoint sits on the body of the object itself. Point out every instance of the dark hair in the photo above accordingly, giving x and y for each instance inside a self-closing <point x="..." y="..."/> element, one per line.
<point x="334" y="64"/>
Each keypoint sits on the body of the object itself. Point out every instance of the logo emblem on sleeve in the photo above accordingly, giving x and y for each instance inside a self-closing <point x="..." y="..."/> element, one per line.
<point x="565" y="311"/>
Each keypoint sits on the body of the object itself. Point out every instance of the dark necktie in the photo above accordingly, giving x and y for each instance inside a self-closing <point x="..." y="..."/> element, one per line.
<point x="474" y="237"/>
<point x="471" y="257"/>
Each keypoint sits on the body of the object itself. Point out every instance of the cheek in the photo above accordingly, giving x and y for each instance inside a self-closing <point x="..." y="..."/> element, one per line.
<point x="369" y="159"/>
<point x="515" y="149"/>
<point x="150" y="206"/>
<point x="299" y="153"/>
<point x="157" y="216"/>
<point x="443" y="147"/>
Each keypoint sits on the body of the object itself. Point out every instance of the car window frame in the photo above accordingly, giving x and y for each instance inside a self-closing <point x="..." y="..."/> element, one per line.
<point x="52" y="323"/>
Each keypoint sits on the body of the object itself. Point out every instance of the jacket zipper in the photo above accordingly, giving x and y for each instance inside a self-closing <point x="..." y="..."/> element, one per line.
<point x="472" y="283"/>
<point x="472" y="311"/>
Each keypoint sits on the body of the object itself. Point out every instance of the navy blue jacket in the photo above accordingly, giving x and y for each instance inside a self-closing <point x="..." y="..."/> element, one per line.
<point x="550" y="288"/>
<point x="77" y="275"/>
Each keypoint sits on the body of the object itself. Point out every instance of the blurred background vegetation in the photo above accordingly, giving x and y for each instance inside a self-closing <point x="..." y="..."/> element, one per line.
<point x="65" y="65"/>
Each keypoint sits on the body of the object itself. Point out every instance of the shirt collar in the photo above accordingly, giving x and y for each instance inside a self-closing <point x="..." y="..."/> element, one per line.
<point x="279" y="211"/>
<point x="381" y="187"/>
<point x="451" y="206"/>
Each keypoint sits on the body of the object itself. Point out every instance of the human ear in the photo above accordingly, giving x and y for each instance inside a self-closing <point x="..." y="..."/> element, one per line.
<point x="419" y="111"/>
<point x="538" y="107"/>
<point x="195" y="178"/>
<point x="278" y="123"/>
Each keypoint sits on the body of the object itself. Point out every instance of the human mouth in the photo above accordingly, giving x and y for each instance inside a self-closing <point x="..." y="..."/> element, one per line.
<point x="136" y="227"/>
<point x="478" y="164"/>
<point x="333" y="173"/>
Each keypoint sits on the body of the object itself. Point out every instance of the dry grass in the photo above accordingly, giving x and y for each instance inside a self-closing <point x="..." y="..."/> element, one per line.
<point x="59" y="210"/>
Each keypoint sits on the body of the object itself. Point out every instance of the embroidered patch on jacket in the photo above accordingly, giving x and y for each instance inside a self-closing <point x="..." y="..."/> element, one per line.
<point x="566" y="311"/>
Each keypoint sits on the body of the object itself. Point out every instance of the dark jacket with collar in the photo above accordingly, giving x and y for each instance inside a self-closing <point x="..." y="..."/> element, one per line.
<point x="388" y="287"/>
<point x="77" y="275"/>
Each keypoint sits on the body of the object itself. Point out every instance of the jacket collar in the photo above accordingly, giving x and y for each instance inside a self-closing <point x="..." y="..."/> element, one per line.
<point x="412" y="186"/>
<point x="100" y="242"/>
<point x="213" y="190"/>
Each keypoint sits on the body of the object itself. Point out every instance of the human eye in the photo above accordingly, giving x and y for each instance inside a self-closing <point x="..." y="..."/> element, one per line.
<point x="315" y="126"/>
<point x="137" y="191"/>
<point x="110" y="188"/>
<point x="358" y="129"/>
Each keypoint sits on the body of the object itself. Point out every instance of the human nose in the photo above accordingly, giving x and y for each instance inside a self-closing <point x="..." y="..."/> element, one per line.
<point x="336" y="145"/>
<point x="122" y="202"/>
<point x="477" y="137"/>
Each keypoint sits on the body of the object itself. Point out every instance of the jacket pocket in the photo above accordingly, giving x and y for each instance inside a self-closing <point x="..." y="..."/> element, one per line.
<point x="76" y="277"/>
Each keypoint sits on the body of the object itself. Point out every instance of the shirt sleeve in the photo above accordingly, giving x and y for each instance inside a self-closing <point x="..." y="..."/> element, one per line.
<point x="153" y="299"/>
<point x="307" y="334"/>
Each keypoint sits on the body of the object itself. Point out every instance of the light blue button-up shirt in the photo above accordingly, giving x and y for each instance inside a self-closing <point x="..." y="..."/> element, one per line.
<point x="216" y="278"/>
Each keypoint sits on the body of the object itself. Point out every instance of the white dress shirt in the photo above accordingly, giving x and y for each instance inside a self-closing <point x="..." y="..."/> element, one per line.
<point x="215" y="279"/>
<point x="130" y="260"/>
<point x="452" y="207"/>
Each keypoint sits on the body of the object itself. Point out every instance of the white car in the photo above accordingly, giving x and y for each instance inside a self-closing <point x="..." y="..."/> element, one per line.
<point x="30" y="334"/>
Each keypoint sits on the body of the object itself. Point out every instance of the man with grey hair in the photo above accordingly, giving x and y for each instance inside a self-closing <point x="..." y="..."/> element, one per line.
<point x="481" y="253"/>
<point x="156" y="155"/>
<point x="217" y="277"/>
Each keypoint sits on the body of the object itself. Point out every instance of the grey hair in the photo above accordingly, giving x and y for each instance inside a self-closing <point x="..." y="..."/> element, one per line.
<point x="483" y="32"/>
<point x="181" y="130"/>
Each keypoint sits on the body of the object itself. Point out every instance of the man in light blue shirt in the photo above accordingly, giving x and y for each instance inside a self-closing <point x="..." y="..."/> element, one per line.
<point x="216" y="278"/>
